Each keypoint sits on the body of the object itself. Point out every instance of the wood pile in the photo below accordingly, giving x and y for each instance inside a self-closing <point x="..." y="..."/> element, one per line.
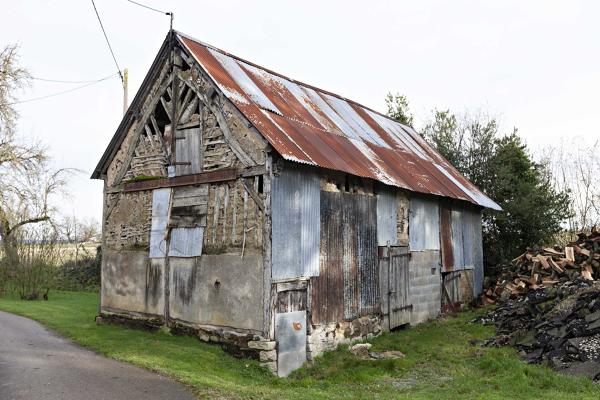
<point x="542" y="267"/>
<point x="548" y="307"/>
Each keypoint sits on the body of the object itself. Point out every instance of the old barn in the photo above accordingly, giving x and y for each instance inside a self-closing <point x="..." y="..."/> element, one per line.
<point x="276" y="218"/>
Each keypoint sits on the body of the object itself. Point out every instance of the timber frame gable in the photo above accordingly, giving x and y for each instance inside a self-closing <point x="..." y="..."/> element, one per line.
<point x="211" y="133"/>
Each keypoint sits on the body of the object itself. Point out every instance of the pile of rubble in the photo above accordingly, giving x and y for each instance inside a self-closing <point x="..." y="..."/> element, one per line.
<point x="549" y="306"/>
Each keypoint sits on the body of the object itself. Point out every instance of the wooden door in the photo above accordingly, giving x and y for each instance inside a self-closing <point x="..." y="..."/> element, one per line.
<point x="188" y="143"/>
<point x="394" y="281"/>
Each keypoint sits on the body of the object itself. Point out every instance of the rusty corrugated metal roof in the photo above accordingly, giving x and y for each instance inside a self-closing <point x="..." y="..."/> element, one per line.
<point x="312" y="126"/>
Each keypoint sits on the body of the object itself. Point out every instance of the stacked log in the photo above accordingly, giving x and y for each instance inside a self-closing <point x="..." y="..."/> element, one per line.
<point x="548" y="306"/>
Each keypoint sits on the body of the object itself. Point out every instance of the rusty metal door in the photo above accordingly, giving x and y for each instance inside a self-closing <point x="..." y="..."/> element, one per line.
<point x="347" y="286"/>
<point x="394" y="280"/>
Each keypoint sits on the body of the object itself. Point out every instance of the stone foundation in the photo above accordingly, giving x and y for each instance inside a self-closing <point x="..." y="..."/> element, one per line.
<point x="322" y="338"/>
<point x="239" y="343"/>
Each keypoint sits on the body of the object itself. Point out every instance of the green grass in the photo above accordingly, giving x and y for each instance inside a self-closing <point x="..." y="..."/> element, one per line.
<point x="440" y="363"/>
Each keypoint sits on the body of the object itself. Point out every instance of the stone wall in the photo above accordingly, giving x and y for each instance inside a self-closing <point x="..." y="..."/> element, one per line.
<point x="128" y="220"/>
<point x="328" y="337"/>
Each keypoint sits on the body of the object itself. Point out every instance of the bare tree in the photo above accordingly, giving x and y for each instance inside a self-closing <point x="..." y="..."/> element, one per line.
<point x="26" y="183"/>
<point x="575" y="166"/>
<point x="78" y="232"/>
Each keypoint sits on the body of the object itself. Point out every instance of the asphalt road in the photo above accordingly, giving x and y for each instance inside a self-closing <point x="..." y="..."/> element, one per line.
<point x="36" y="364"/>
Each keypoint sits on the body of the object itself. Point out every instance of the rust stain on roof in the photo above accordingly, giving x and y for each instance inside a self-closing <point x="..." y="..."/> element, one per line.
<point x="313" y="126"/>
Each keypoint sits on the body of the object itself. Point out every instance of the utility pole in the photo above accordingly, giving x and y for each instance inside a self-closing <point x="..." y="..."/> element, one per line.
<point x="125" y="89"/>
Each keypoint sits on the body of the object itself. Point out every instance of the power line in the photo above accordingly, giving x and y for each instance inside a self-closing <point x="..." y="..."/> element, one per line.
<point x="149" y="8"/>
<point x="63" y="92"/>
<point x="62" y="81"/>
<point x="169" y="13"/>
<point x="108" y="42"/>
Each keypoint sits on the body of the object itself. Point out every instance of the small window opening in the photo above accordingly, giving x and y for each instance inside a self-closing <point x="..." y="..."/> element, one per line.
<point x="260" y="184"/>
<point x="346" y="184"/>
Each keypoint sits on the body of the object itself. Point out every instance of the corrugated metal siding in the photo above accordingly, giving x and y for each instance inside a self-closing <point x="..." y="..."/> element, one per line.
<point x="468" y="231"/>
<point x="474" y="241"/>
<point x="160" y="217"/>
<point x="296" y="224"/>
<point x="386" y="217"/>
<point x="309" y="125"/>
<point x="367" y="254"/>
<point x="349" y="241"/>
<point x="457" y="238"/>
<point x="327" y="290"/>
<point x="478" y="272"/>
<point x="348" y="285"/>
<point x="446" y="237"/>
<point x="186" y="242"/>
<point x="424" y="224"/>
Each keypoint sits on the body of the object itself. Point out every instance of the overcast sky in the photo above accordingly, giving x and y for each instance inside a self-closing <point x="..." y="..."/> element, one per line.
<point x="535" y="64"/>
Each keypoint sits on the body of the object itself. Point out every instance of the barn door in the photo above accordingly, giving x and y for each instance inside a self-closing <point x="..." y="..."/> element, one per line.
<point x="394" y="280"/>
<point x="188" y="142"/>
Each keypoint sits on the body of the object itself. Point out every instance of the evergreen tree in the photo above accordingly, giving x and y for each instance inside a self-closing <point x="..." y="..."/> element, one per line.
<point x="398" y="108"/>
<point x="502" y="167"/>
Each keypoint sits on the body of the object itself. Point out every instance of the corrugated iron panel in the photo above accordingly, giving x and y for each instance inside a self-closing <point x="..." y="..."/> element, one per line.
<point x="386" y="217"/>
<point x="468" y="232"/>
<point x="160" y="217"/>
<point x="368" y="273"/>
<point x="457" y="238"/>
<point x="446" y="237"/>
<point x="327" y="290"/>
<point x="296" y="224"/>
<point x="478" y="272"/>
<point x="312" y="126"/>
<point x="349" y="279"/>
<point x="186" y="242"/>
<point x="424" y="224"/>
<point x="350" y="255"/>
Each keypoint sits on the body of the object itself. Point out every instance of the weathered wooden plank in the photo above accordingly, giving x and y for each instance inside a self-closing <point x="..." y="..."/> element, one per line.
<point x="190" y="201"/>
<point x="233" y="144"/>
<point x="138" y="130"/>
<point x="234" y="217"/>
<point x="293" y="285"/>
<point x="188" y="221"/>
<point x="225" y="205"/>
<point x="255" y="196"/>
<point x="189" y="111"/>
<point x="216" y="214"/>
<point x="203" y="177"/>
<point x="191" y="191"/>
<point x="267" y="251"/>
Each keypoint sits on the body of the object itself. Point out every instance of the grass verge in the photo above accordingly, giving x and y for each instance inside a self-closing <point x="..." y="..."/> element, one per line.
<point x="440" y="363"/>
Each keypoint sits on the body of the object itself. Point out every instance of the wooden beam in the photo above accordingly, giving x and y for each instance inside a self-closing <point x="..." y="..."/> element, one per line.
<point x="138" y="129"/>
<point x="158" y="132"/>
<point x="185" y="180"/>
<point x="253" y="171"/>
<point x="233" y="144"/>
<point x="255" y="196"/>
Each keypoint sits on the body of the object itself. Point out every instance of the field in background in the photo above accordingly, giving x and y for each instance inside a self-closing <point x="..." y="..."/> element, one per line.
<point x="440" y="361"/>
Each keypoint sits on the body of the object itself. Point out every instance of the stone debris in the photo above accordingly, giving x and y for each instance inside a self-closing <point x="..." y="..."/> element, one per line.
<point x="549" y="307"/>
<point x="361" y="350"/>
